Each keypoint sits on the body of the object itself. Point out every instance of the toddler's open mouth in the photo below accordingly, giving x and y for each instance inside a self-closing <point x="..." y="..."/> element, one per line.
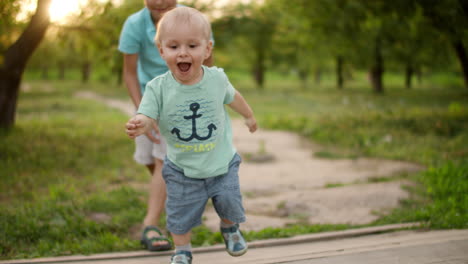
<point x="184" y="66"/>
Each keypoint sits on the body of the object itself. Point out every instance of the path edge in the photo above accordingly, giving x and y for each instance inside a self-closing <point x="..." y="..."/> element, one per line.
<point x="323" y="236"/>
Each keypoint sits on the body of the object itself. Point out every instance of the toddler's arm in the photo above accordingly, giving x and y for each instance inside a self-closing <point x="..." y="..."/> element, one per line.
<point x="240" y="105"/>
<point x="138" y="125"/>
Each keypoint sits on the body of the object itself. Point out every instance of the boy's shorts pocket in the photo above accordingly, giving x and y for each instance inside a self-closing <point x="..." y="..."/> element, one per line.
<point x="231" y="178"/>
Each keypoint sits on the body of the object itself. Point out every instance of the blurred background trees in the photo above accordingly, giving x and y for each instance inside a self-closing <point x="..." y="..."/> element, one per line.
<point x="304" y="38"/>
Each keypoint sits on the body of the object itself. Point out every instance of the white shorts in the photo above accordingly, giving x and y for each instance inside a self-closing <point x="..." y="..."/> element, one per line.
<point x="146" y="150"/>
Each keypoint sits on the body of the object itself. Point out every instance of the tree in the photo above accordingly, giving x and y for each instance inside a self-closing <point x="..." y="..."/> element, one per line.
<point x="251" y="28"/>
<point x="15" y="58"/>
<point x="320" y="29"/>
<point x="416" y="45"/>
<point x="450" y="17"/>
<point x="298" y="44"/>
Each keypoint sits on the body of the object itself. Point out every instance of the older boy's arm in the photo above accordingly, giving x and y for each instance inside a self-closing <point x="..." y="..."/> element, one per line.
<point x="242" y="107"/>
<point x="133" y="86"/>
<point x="138" y="125"/>
<point x="131" y="78"/>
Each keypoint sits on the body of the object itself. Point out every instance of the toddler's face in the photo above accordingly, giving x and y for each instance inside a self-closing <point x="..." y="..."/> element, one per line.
<point x="184" y="48"/>
<point x="159" y="7"/>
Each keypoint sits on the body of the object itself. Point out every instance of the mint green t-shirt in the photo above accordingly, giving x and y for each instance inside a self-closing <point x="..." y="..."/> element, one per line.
<point x="193" y="120"/>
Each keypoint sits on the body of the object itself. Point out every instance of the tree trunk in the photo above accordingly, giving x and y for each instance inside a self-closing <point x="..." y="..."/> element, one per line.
<point x="259" y="69"/>
<point x="409" y="71"/>
<point x="377" y="70"/>
<point x="462" y="57"/>
<point x="61" y="70"/>
<point x="339" y="72"/>
<point x="15" y="59"/>
<point x="85" y="71"/>
<point x="318" y="76"/>
<point x="9" y="88"/>
<point x="303" y="76"/>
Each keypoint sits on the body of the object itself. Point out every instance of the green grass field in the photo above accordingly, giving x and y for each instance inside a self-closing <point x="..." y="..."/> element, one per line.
<point x="68" y="160"/>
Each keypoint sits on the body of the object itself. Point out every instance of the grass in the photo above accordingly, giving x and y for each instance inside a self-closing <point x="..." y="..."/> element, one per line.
<point x="426" y="125"/>
<point x="65" y="160"/>
<point x="68" y="160"/>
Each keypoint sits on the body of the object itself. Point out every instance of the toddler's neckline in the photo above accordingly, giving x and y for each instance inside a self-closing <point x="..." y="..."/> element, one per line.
<point x="191" y="86"/>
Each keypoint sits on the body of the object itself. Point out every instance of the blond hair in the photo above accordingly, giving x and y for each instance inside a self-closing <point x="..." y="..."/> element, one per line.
<point x="182" y="15"/>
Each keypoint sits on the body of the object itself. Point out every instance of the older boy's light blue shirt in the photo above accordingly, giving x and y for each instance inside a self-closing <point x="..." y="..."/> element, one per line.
<point x="137" y="37"/>
<point x="194" y="121"/>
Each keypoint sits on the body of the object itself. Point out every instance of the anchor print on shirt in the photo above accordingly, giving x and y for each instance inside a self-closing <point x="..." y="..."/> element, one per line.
<point x="194" y="108"/>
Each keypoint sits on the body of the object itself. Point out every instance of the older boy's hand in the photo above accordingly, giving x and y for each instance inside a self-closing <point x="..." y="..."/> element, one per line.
<point x="251" y="123"/>
<point x="135" y="127"/>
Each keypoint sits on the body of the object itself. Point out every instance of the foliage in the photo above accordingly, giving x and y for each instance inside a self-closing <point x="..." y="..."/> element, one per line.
<point x="61" y="224"/>
<point x="249" y="30"/>
<point x="447" y="188"/>
<point x="306" y="37"/>
<point x="8" y="11"/>
<point x="62" y="164"/>
<point x="448" y="17"/>
<point x="441" y="200"/>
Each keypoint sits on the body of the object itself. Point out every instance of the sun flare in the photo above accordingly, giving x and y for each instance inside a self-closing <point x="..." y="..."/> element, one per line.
<point x="60" y="9"/>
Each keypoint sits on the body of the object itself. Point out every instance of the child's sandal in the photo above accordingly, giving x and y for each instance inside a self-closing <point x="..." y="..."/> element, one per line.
<point x="234" y="240"/>
<point x="181" y="257"/>
<point x="147" y="241"/>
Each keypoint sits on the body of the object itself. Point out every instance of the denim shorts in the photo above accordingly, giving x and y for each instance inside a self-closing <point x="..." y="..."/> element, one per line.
<point x="187" y="197"/>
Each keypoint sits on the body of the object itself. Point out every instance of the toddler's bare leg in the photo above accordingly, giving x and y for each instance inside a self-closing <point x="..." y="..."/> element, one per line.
<point x="226" y="221"/>
<point x="182" y="240"/>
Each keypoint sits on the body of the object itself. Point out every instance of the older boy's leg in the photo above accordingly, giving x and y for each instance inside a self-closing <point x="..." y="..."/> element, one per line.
<point x="156" y="200"/>
<point x="152" y="213"/>
<point x="150" y="154"/>
<point x="157" y="188"/>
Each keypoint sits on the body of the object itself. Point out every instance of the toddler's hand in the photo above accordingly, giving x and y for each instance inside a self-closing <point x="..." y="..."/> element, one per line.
<point x="251" y="123"/>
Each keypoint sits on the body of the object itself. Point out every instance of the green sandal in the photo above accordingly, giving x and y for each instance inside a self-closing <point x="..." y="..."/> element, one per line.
<point x="148" y="242"/>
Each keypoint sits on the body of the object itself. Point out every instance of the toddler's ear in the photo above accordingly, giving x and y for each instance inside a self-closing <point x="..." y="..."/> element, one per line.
<point x="160" y="49"/>
<point x="209" y="49"/>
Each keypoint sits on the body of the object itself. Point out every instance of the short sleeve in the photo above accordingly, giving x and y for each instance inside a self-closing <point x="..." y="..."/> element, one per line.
<point x="129" y="41"/>
<point x="229" y="89"/>
<point x="150" y="103"/>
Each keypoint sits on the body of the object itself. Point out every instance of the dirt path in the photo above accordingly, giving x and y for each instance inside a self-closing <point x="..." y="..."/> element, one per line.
<point x="292" y="185"/>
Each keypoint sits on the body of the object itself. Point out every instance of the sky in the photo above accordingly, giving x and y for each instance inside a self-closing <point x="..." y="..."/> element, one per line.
<point x="59" y="9"/>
